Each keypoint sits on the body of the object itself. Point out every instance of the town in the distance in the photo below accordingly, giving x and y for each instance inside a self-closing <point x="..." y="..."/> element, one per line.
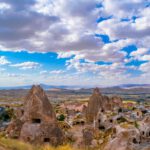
<point x="84" y="120"/>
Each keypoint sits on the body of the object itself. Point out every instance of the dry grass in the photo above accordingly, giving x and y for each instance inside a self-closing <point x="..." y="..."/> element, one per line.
<point x="10" y="144"/>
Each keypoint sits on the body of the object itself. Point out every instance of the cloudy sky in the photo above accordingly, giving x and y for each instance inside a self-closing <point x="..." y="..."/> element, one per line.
<point x="74" y="42"/>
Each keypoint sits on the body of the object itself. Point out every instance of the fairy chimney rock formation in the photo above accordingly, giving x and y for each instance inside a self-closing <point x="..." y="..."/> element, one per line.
<point x="39" y="124"/>
<point x="94" y="104"/>
<point x="99" y="102"/>
<point x="37" y="106"/>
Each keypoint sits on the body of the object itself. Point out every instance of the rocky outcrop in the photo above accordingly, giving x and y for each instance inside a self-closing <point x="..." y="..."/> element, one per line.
<point x="37" y="105"/>
<point x="99" y="102"/>
<point x="38" y="120"/>
<point x="116" y="101"/>
<point x="94" y="104"/>
<point x="14" y="129"/>
<point x="104" y="122"/>
<point x="125" y="139"/>
<point x="144" y="127"/>
<point x="88" y="136"/>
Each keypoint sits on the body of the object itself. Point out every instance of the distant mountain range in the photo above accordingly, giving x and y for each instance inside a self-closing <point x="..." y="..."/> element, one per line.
<point x="48" y="87"/>
<point x="44" y="86"/>
<point x="128" y="86"/>
<point x="126" y="91"/>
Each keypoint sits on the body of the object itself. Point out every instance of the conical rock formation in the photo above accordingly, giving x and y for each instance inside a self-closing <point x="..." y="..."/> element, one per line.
<point x="94" y="104"/>
<point x="38" y="121"/>
<point x="37" y="105"/>
<point x="99" y="102"/>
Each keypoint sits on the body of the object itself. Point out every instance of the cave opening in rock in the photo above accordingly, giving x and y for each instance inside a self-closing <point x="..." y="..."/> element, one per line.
<point x="22" y="111"/>
<point x="120" y="110"/>
<point x="143" y="132"/>
<point x="135" y="141"/>
<point x="82" y="122"/>
<point x="111" y="120"/>
<point x="101" y="127"/>
<point x="102" y="110"/>
<point x="46" y="140"/>
<point x="36" y="121"/>
<point x="28" y="139"/>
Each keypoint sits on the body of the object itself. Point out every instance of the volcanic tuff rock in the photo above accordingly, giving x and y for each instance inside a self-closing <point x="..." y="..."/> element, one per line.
<point x="101" y="102"/>
<point x="126" y="139"/>
<point x="39" y="124"/>
<point x="103" y="121"/>
<point x="144" y="127"/>
<point x="37" y="105"/>
<point x="117" y="101"/>
<point x="88" y="136"/>
<point x="95" y="103"/>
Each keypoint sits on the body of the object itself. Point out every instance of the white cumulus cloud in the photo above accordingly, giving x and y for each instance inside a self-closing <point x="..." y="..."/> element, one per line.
<point x="4" y="61"/>
<point x="26" y="65"/>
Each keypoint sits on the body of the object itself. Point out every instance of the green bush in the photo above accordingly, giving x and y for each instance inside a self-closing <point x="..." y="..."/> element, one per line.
<point x="7" y="115"/>
<point x="121" y="119"/>
<point x="136" y="124"/>
<point x="61" y="117"/>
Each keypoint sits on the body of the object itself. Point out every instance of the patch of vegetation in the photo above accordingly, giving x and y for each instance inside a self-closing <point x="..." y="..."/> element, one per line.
<point x="136" y="124"/>
<point x="10" y="144"/>
<point x="7" y="115"/>
<point x="61" y="117"/>
<point x="121" y="120"/>
<point x="129" y="101"/>
<point x="126" y="125"/>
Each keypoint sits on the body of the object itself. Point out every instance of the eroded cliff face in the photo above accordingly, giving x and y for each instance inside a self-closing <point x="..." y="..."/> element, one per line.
<point x="37" y="122"/>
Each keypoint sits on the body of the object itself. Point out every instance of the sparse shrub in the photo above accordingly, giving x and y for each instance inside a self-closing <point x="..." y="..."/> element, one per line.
<point x="121" y="119"/>
<point x="136" y="124"/>
<point x="61" y="117"/>
<point x="7" y="115"/>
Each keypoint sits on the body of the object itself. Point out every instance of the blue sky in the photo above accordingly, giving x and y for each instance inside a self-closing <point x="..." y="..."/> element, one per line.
<point x="47" y="60"/>
<point x="67" y="42"/>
